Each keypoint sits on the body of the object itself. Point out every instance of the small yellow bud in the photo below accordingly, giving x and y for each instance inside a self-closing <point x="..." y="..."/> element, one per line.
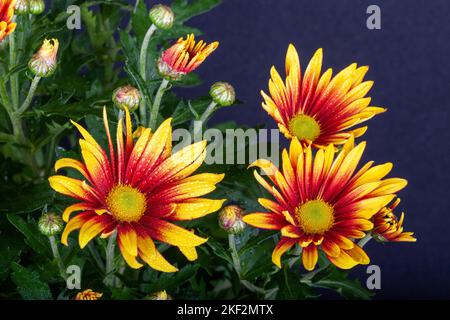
<point x="43" y="63"/>
<point x="88" y="295"/>
<point x="160" y="295"/>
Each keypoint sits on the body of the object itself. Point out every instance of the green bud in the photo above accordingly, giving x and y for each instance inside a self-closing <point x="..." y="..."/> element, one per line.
<point x="50" y="224"/>
<point x="162" y="16"/>
<point x="43" y="63"/>
<point x="37" y="7"/>
<point x="230" y="219"/>
<point x="222" y="93"/>
<point x="127" y="97"/>
<point x="22" y="7"/>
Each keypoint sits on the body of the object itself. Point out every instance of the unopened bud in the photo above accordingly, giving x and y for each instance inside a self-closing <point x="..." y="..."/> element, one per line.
<point x="160" y="295"/>
<point x="22" y="7"/>
<point x="222" y="93"/>
<point x="127" y="97"/>
<point x="37" y="7"/>
<point x="50" y="224"/>
<point x="162" y="16"/>
<point x="43" y="63"/>
<point x="230" y="219"/>
<point x="88" y="295"/>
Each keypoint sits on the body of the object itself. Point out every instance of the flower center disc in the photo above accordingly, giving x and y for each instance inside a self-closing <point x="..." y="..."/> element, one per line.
<point x="304" y="127"/>
<point x="126" y="203"/>
<point x="315" y="216"/>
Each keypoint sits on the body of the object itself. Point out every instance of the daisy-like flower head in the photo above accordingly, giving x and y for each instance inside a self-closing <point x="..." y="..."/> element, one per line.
<point x="388" y="228"/>
<point x="7" y="26"/>
<point x="139" y="190"/>
<point x="184" y="57"/>
<point x="44" y="62"/>
<point x="322" y="202"/>
<point x="317" y="108"/>
<point x="88" y="294"/>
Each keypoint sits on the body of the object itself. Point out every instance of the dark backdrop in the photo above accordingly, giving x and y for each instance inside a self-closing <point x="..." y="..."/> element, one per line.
<point x="408" y="60"/>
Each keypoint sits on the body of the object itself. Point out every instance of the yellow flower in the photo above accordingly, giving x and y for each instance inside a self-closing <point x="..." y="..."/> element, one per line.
<point x="184" y="56"/>
<point x="88" y="295"/>
<point x="322" y="202"/>
<point x="388" y="228"/>
<point x="139" y="190"/>
<point x="7" y="26"/>
<point x="317" y="108"/>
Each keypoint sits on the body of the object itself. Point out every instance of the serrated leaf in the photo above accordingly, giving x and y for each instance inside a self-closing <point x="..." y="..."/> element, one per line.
<point x="29" y="285"/>
<point x="25" y="199"/>
<point x="33" y="238"/>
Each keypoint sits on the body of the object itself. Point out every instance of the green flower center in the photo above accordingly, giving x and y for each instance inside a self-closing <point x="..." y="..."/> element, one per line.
<point x="315" y="216"/>
<point x="304" y="127"/>
<point x="126" y="203"/>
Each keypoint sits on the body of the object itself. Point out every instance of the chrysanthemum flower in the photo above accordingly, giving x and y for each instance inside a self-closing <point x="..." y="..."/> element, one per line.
<point x="7" y="26"/>
<point x="320" y="202"/>
<point x="139" y="190"/>
<point x="184" y="57"/>
<point x="388" y="228"/>
<point x="317" y="108"/>
<point x="88" y="295"/>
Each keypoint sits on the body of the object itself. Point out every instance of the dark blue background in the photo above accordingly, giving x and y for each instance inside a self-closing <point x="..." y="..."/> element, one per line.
<point x="409" y="61"/>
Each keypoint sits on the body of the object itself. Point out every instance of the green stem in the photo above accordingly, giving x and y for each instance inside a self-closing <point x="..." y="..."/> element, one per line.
<point x="208" y="112"/>
<point x="237" y="266"/>
<point x="5" y="97"/>
<point x="14" y="80"/>
<point x="234" y="254"/>
<point x="156" y="103"/>
<point x="96" y="257"/>
<point x="364" y="240"/>
<point x="109" y="268"/>
<point x="57" y="257"/>
<point x="144" y="48"/>
<point x="30" y="95"/>
<point x="143" y="67"/>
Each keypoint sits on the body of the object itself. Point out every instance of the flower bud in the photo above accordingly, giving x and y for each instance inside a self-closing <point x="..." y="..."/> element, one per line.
<point x="43" y="63"/>
<point x="222" y="93"/>
<point x="230" y="219"/>
<point x="50" y="224"/>
<point x="37" y="7"/>
<point x="160" y="295"/>
<point x="22" y="7"/>
<point x="162" y="16"/>
<point x="88" y="295"/>
<point x="127" y="97"/>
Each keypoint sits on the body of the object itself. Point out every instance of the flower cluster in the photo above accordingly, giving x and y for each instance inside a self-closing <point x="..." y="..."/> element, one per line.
<point x="321" y="200"/>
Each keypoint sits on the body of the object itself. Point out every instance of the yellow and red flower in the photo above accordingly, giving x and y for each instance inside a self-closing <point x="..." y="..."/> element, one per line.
<point x="88" y="294"/>
<point x="320" y="202"/>
<point x="388" y="228"/>
<point x="184" y="57"/>
<point x="139" y="190"/>
<point x="7" y="25"/>
<point x="317" y="108"/>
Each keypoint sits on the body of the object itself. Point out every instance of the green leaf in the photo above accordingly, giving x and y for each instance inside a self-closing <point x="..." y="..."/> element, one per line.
<point x="29" y="285"/>
<point x="185" y="10"/>
<point x="337" y="280"/>
<point x="11" y="247"/>
<point x="25" y="199"/>
<point x="33" y="238"/>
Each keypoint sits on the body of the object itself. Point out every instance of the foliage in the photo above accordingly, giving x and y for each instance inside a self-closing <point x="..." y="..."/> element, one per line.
<point x="92" y="63"/>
